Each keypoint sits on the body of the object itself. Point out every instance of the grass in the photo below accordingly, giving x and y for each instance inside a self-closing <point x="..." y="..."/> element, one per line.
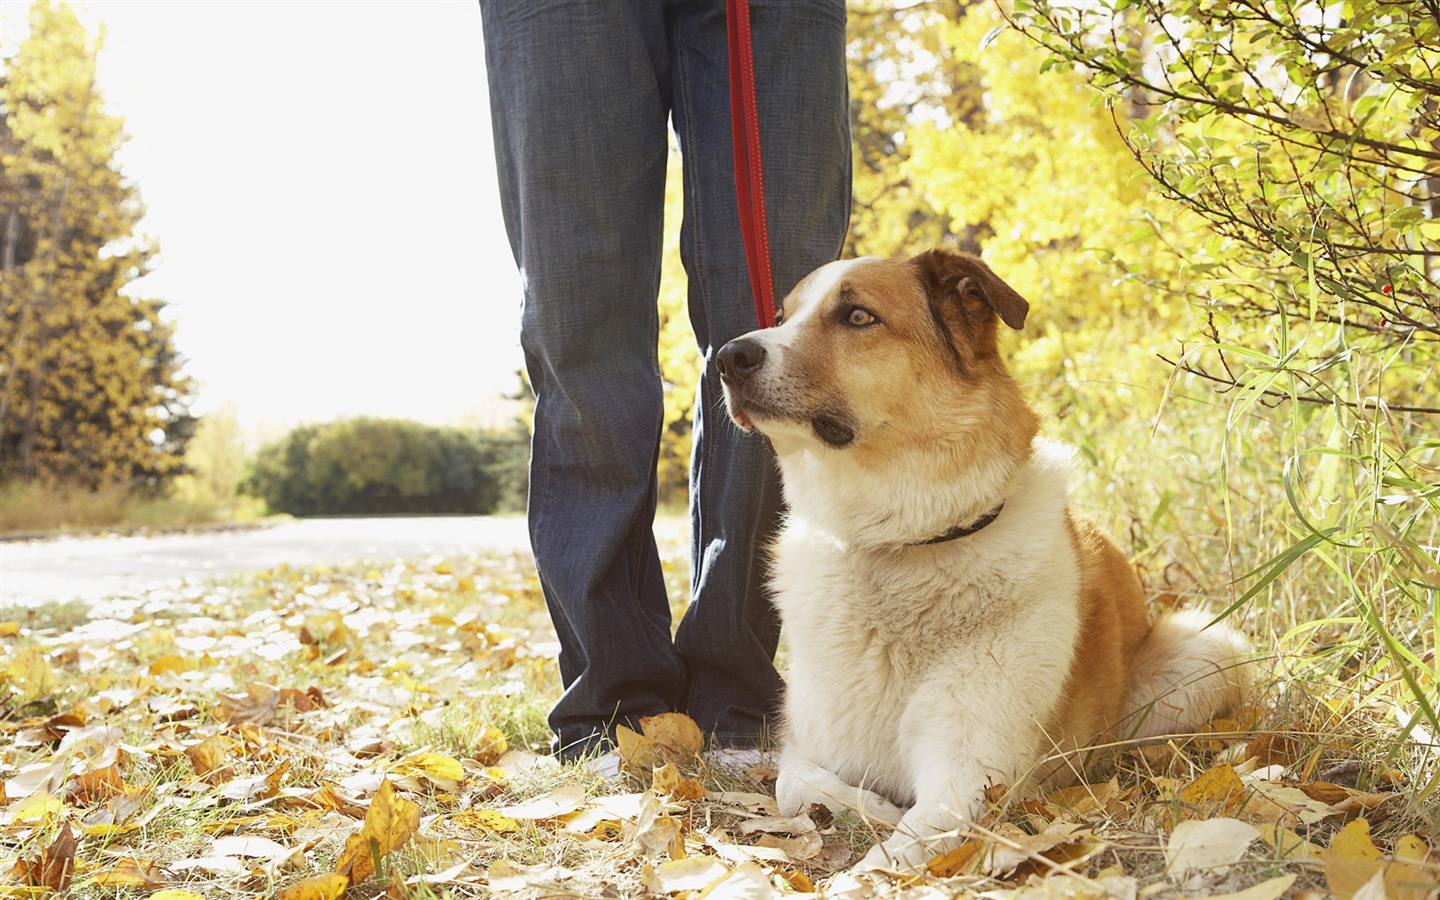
<point x="231" y="739"/>
<point x="31" y="510"/>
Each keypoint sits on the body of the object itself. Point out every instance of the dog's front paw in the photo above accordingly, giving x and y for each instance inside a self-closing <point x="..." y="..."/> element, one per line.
<point x="801" y="784"/>
<point x="903" y="852"/>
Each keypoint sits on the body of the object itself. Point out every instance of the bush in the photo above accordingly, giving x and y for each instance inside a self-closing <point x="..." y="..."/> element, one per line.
<point x="387" y="467"/>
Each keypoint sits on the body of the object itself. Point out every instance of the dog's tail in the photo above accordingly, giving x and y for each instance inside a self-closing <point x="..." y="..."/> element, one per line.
<point x="1184" y="675"/>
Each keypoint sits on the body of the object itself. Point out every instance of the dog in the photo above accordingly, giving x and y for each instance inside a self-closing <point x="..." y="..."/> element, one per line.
<point x="951" y="625"/>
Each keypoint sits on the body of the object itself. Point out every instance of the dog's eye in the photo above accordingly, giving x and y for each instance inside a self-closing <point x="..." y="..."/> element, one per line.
<point x="860" y="317"/>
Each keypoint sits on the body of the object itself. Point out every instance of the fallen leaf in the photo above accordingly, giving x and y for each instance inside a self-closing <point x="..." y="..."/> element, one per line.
<point x="504" y="875"/>
<point x="9" y="629"/>
<point x="1412" y="848"/>
<point x="490" y="746"/>
<point x="95" y="786"/>
<point x="129" y="873"/>
<point x="800" y="824"/>
<point x="173" y="664"/>
<point x="1286" y="844"/>
<point x="676" y="732"/>
<point x="556" y="803"/>
<point x="209" y="758"/>
<point x="35" y="810"/>
<point x="668" y="781"/>
<point x="389" y="823"/>
<point x="761" y="803"/>
<point x="1020" y="851"/>
<point x="30" y="671"/>
<point x="668" y="737"/>
<point x="55" y="865"/>
<point x="800" y="848"/>
<point x="693" y="874"/>
<point x="1273" y="889"/>
<point x="745" y="882"/>
<point x="653" y="831"/>
<point x="1218" y="790"/>
<point x="1086" y="799"/>
<point x="1353" y="842"/>
<point x="248" y="846"/>
<point x="440" y="771"/>
<point x="1207" y="845"/>
<point x="173" y="894"/>
<point x="956" y="862"/>
<point x="318" y="887"/>
<point x="1280" y="803"/>
<point x="485" y="820"/>
<point x="256" y="707"/>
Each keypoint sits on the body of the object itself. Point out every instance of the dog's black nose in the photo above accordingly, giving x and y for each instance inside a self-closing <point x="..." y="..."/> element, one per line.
<point x="740" y="359"/>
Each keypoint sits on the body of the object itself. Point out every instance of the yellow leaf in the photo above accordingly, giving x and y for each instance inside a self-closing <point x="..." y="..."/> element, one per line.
<point x="668" y="781"/>
<point x="131" y="877"/>
<point x="36" y="809"/>
<point x="389" y="823"/>
<point x="490" y="745"/>
<point x="1353" y="842"/>
<point x="30" y="670"/>
<point x="1216" y="791"/>
<point x="1411" y="848"/>
<point x="209" y="758"/>
<point x="485" y="820"/>
<point x="107" y="830"/>
<point x="318" y="887"/>
<point x="173" y="664"/>
<point x="676" y="732"/>
<point x="172" y="894"/>
<point x="9" y="629"/>
<point x="1272" y="889"/>
<point x="1286" y="844"/>
<point x="957" y="861"/>
<point x="445" y="772"/>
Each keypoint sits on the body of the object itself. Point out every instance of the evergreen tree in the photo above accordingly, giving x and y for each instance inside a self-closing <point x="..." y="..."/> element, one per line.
<point x="90" y="386"/>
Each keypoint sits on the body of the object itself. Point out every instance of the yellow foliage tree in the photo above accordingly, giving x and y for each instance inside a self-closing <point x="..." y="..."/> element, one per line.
<point x="90" y="388"/>
<point x="679" y="357"/>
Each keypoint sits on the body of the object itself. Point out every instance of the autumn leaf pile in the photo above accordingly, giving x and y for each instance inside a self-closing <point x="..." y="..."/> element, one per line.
<point x="326" y="734"/>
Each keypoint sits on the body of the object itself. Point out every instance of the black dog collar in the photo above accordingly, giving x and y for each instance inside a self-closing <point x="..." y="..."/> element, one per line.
<point x="960" y="531"/>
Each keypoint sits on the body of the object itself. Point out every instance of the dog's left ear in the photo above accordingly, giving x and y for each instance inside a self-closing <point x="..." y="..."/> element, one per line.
<point x="944" y="272"/>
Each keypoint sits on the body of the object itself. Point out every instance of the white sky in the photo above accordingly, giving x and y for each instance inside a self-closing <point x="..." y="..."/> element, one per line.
<point x="322" y="182"/>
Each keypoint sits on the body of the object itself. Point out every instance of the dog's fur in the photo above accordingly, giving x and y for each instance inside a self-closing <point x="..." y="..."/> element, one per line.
<point x="922" y="672"/>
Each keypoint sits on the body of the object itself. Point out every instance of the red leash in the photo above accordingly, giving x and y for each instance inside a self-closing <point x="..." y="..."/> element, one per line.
<point x="749" y="174"/>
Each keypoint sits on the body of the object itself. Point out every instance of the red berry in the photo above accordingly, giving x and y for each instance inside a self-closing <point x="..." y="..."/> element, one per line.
<point x="1385" y="289"/>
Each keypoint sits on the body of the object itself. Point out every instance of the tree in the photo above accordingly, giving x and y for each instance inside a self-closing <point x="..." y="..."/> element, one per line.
<point x="1299" y="145"/>
<point x="91" y="391"/>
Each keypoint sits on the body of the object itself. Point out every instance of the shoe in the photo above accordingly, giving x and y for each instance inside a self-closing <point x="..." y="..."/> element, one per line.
<point x="736" y="760"/>
<point x="606" y="765"/>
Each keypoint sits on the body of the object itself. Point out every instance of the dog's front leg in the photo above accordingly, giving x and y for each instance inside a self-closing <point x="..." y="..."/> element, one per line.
<point x="946" y="802"/>
<point x="951" y="767"/>
<point x="801" y="783"/>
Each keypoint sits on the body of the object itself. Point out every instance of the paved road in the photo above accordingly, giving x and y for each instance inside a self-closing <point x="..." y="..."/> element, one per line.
<point x="90" y="568"/>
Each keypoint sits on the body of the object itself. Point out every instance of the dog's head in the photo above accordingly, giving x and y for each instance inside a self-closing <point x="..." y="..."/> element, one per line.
<point x="875" y="357"/>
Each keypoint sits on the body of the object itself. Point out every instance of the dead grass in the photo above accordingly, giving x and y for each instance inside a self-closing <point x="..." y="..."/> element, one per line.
<point x="236" y="740"/>
<point x="36" y="510"/>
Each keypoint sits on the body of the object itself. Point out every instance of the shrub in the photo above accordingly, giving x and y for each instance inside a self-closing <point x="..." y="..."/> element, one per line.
<point x="385" y="467"/>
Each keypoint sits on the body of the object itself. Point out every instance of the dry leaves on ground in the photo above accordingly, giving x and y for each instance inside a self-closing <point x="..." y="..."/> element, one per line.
<point x="327" y="734"/>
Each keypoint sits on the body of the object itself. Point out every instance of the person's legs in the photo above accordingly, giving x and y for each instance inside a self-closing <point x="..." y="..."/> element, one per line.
<point x="729" y="633"/>
<point x="579" y="94"/>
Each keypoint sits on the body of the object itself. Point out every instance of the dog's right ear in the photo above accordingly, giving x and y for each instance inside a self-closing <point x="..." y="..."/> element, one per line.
<point x="945" y="273"/>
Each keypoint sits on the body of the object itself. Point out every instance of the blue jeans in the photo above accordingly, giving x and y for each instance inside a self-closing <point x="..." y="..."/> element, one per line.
<point x="581" y="93"/>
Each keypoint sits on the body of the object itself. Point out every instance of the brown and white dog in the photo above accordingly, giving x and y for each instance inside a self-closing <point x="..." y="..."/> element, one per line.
<point x="951" y="625"/>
